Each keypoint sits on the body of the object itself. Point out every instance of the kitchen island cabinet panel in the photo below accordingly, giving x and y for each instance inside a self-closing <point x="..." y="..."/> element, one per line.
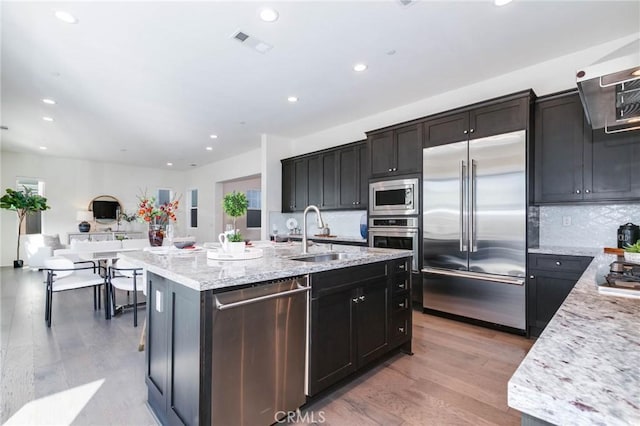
<point x="551" y="279"/>
<point x="372" y="321"/>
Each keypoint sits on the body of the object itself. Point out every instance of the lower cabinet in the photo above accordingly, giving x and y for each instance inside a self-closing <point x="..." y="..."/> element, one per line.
<point x="551" y="279"/>
<point x="173" y="353"/>
<point x="357" y="315"/>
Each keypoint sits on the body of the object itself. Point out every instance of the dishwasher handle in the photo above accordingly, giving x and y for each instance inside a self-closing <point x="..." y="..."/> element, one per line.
<point x="222" y="307"/>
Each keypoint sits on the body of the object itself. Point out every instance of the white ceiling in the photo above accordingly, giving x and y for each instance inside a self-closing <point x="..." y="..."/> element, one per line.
<point x="146" y="82"/>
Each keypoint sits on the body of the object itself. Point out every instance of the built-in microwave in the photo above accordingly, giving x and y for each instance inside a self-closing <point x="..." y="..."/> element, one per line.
<point x="394" y="197"/>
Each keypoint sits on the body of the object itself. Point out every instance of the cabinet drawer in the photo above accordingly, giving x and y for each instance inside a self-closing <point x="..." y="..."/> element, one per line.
<point x="400" y="284"/>
<point x="551" y="262"/>
<point x="400" y="266"/>
<point x="401" y="303"/>
<point x="339" y="279"/>
<point x="400" y="327"/>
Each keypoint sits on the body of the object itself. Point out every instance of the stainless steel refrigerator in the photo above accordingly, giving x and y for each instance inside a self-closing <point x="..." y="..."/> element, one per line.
<point x="474" y="229"/>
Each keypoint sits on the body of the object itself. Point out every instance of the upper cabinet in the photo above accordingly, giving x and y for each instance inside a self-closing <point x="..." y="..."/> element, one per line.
<point x="395" y="151"/>
<point x="295" y="188"/>
<point x="353" y="177"/>
<point x="575" y="164"/>
<point x="478" y="121"/>
<point x="336" y="178"/>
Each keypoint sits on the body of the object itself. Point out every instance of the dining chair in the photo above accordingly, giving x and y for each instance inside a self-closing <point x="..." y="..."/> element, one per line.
<point x="64" y="274"/>
<point x="127" y="277"/>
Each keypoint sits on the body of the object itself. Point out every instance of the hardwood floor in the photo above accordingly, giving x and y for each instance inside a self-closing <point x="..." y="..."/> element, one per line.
<point x="458" y="374"/>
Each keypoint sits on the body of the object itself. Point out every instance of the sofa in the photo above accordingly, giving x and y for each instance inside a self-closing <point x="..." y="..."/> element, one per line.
<point x="38" y="247"/>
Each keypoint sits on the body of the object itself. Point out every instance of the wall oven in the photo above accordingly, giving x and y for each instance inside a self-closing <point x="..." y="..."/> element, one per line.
<point x="396" y="233"/>
<point x="394" y="197"/>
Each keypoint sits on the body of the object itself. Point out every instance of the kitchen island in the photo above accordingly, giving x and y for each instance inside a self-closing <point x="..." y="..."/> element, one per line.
<point x="585" y="367"/>
<point x="243" y="341"/>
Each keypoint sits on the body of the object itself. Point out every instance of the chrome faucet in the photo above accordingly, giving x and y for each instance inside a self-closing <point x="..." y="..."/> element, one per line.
<point x="304" y="225"/>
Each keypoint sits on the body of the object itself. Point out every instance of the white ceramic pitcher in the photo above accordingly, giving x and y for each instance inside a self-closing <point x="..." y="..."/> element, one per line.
<point x="230" y="246"/>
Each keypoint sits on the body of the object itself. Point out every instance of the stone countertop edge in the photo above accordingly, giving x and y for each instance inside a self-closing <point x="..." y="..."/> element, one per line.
<point x="585" y="367"/>
<point x="566" y="250"/>
<point x="196" y="271"/>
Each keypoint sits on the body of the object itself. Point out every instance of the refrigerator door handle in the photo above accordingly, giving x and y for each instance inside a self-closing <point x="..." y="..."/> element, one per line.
<point x="473" y="243"/>
<point x="463" y="239"/>
<point x="475" y="275"/>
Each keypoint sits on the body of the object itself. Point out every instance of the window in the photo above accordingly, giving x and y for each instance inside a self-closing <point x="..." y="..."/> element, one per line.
<point x="254" y="213"/>
<point x="193" y="209"/>
<point x="33" y="222"/>
<point x="164" y="196"/>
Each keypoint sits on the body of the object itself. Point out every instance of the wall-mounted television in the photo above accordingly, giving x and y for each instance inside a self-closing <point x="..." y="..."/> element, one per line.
<point x="105" y="209"/>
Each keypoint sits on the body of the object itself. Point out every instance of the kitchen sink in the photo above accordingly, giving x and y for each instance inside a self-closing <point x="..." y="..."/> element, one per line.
<point x="324" y="257"/>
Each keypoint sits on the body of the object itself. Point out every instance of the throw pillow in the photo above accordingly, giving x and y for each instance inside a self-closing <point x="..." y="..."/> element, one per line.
<point x="52" y="241"/>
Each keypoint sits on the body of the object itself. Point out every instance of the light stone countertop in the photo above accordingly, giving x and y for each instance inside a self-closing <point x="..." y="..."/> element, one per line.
<point x="196" y="271"/>
<point x="585" y="367"/>
<point x="567" y="250"/>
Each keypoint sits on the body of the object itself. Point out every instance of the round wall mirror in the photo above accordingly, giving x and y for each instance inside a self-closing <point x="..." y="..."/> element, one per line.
<point x="105" y="208"/>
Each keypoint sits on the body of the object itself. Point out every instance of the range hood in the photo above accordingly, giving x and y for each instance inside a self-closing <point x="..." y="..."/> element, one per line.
<point x="610" y="90"/>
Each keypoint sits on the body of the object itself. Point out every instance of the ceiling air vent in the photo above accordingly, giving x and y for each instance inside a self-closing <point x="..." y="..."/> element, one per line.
<point x="252" y="42"/>
<point x="406" y="3"/>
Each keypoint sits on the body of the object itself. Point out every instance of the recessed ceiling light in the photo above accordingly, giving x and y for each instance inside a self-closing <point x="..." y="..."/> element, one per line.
<point x="359" y="67"/>
<point x="44" y="148"/>
<point x="292" y="99"/>
<point x="501" y="2"/>
<point x="49" y="101"/>
<point x="213" y="136"/>
<point x="209" y="148"/>
<point x="47" y="118"/>
<point x="169" y="164"/>
<point x="268" y="14"/>
<point x="66" y="17"/>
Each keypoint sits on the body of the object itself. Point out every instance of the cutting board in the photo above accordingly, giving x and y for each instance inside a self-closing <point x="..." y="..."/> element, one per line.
<point x="611" y="250"/>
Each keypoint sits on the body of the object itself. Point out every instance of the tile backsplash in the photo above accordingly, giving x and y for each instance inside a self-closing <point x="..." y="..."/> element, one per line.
<point x="342" y="223"/>
<point x="585" y="225"/>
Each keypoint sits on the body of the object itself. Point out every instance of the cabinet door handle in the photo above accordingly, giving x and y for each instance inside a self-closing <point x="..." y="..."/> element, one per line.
<point x="390" y="170"/>
<point x="401" y="267"/>
<point x="361" y="298"/>
<point x="577" y="191"/>
<point x="401" y="305"/>
<point x="471" y="131"/>
<point x="401" y="285"/>
<point x="532" y="277"/>
<point x="465" y="132"/>
<point x="558" y="263"/>
<point x="354" y="300"/>
<point x="401" y="329"/>
<point x="587" y="191"/>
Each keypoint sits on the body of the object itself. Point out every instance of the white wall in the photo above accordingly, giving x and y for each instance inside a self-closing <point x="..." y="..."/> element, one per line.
<point x="273" y="150"/>
<point x="208" y="181"/>
<point x="544" y="78"/>
<point x="70" y="185"/>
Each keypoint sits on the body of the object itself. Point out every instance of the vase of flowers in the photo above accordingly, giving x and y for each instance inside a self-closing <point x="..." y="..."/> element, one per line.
<point x="158" y="217"/>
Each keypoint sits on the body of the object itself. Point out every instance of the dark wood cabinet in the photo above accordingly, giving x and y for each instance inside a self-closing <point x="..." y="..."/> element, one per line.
<point x="479" y="121"/>
<point x="395" y="151"/>
<point x="321" y="180"/>
<point x="353" y="177"/>
<point x="295" y="188"/>
<point x="357" y="314"/>
<point x="173" y="353"/>
<point x="335" y="178"/>
<point x="551" y="279"/>
<point x="574" y="164"/>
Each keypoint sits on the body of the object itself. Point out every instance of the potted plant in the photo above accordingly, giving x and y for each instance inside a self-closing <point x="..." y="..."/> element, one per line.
<point x="632" y="252"/>
<point x="23" y="203"/>
<point x="235" y="205"/>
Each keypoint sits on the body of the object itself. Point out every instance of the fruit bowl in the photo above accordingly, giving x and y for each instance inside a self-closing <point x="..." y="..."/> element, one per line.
<point x="183" y="242"/>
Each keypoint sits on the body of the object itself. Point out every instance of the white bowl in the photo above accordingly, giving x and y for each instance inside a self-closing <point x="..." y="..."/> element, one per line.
<point x="632" y="257"/>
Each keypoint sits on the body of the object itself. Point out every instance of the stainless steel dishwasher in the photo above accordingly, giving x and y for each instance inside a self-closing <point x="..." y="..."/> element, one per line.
<point x="259" y="349"/>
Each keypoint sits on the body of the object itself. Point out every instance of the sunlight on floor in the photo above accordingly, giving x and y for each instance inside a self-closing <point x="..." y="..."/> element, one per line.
<point x="57" y="409"/>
